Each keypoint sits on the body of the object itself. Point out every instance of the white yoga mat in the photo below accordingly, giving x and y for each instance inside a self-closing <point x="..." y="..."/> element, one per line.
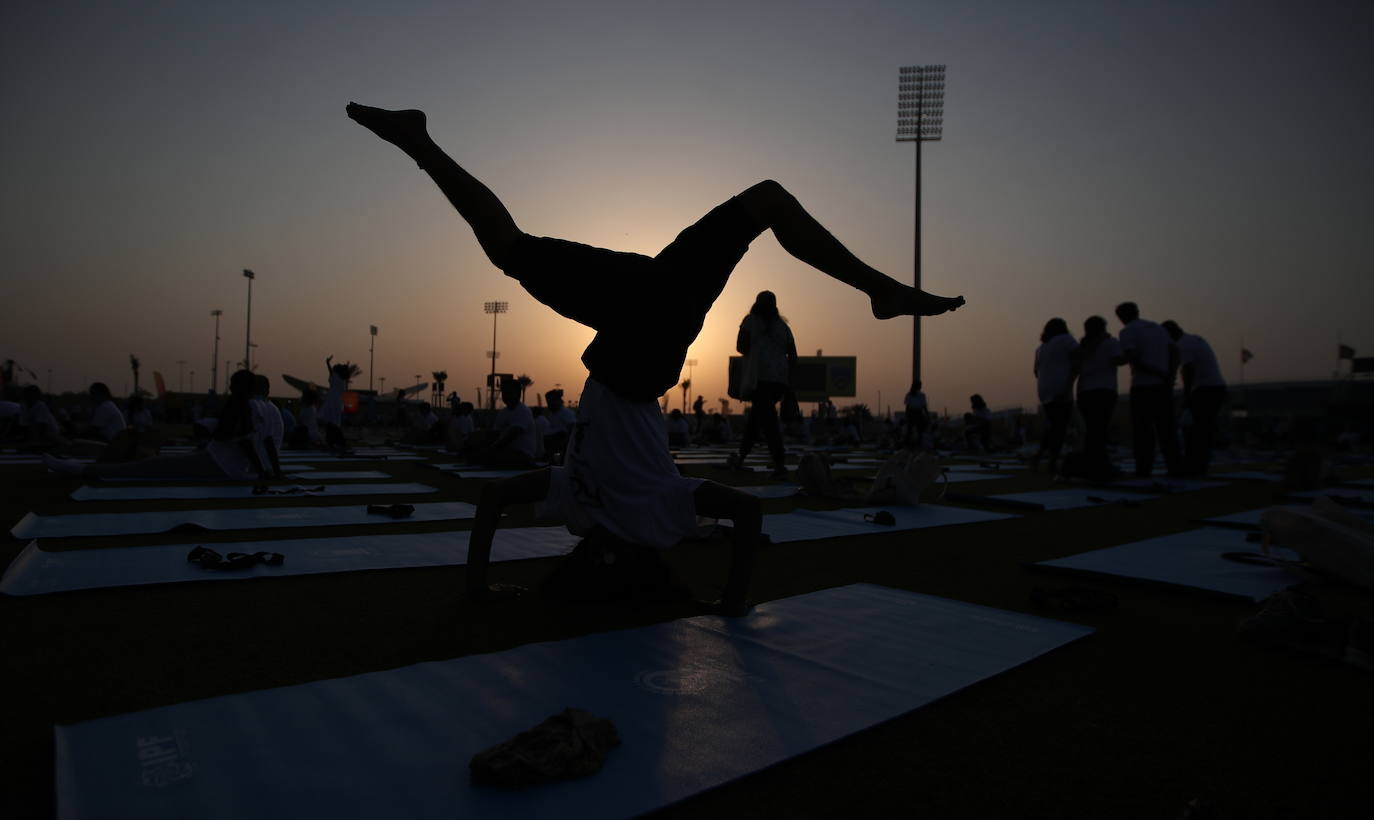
<point x="297" y="490"/>
<point x="300" y="472"/>
<point x="771" y="490"/>
<point x="697" y="703"/>
<point x="88" y="524"/>
<point x="1341" y="495"/>
<point x="37" y="572"/>
<point x="961" y="476"/>
<point x="809" y="525"/>
<point x="326" y="458"/>
<point x="1188" y="559"/>
<point x="1251" y="475"/>
<point x="1074" y="498"/>
<point x="1168" y="485"/>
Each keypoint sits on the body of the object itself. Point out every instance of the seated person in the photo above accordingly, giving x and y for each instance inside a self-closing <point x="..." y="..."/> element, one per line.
<point x="512" y="445"/>
<point x="678" y="434"/>
<point x="541" y="432"/>
<point x="267" y="423"/>
<point x="460" y="428"/>
<point x="231" y="454"/>
<point x="561" y="421"/>
<point x="41" y="430"/>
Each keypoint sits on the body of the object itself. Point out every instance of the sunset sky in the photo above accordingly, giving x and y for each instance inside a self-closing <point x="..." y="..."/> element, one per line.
<point x="1210" y="161"/>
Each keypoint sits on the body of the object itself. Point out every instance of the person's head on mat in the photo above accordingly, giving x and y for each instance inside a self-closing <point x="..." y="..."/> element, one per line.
<point x="1127" y="312"/>
<point x="262" y="386"/>
<point x="916" y="387"/>
<point x="99" y="392"/>
<point x="1171" y="327"/>
<point x="1054" y="327"/>
<point x="464" y="408"/>
<point x="510" y="392"/>
<point x="976" y="402"/>
<point x="31" y="395"/>
<point x="554" y="399"/>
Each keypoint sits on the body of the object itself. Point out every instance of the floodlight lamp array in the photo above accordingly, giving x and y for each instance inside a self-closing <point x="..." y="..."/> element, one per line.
<point x="920" y="103"/>
<point x="495" y="307"/>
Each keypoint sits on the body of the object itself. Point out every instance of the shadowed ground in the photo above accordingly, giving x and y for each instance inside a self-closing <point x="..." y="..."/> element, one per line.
<point x="1163" y="706"/>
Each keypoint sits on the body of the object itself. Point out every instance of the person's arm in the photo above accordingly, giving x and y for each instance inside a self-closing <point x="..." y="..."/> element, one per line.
<point x="742" y="341"/>
<point x="496" y="495"/>
<point x="746" y="512"/>
<point x="270" y="444"/>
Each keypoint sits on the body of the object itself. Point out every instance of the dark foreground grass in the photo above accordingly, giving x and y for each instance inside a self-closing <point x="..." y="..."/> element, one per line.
<point x="1164" y="705"/>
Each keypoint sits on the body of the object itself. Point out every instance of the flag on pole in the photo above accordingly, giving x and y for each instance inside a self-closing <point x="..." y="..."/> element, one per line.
<point x="249" y="274"/>
<point x="1345" y="352"/>
<point x="1245" y="355"/>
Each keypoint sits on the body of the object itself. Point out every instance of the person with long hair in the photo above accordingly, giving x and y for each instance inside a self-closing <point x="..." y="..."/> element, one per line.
<point x="1098" y="352"/>
<point x="770" y="353"/>
<point x="1055" y="369"/>
<point x="618" y="477"/>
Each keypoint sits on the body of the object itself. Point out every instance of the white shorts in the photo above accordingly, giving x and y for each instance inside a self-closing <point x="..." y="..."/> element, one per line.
<point x="618" y="474"/>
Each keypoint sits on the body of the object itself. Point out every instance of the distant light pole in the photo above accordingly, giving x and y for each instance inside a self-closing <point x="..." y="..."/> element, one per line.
<point x="382" y="380"/>
<point x="691" y="363"/>
<point x="181" y="381"/>
<point x="371" y="348"/>
<point x="248" y="332"/>
<point x="920" y="118"/>
<point x="493" y="308"/>
<point x="214" y="360"/>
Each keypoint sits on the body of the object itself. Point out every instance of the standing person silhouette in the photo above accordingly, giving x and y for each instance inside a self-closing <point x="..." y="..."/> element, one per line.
<point x="618" y="474"/>
<point x="770" y="353"/>
<point x="1098" y="355"/>
<point x="1055" y="370"/>
<point x="1204" y="391"/>
<point x="1146" y="347"/>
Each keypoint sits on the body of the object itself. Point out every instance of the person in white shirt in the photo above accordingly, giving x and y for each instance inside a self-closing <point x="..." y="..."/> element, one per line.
<point x="1146" y="347"/>
<point x="561" y="422"/>
<point x="1098" y="353"/>
<point x="267" y="425"/>
<point x="37" y="420"/>
<point x="514" y="444"/>
<point x="107" y="420"/>
<point x="1204" y="392"/>
<point x="330" y="415"/>
<point x="231" y="454"/>
<point x="917" y="417"/>
<point x="770" y="352"/>
<point x="460" y="427"/>
<point x="1055" y="370"/>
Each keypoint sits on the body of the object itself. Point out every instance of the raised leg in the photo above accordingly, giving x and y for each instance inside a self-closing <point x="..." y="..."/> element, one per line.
<point x="496" y="495"/>
<point x="495" y="229"/>
<point x="802" y="236"/>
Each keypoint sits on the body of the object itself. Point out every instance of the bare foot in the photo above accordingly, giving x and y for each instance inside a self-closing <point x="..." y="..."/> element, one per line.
<point x="907" y="301"/>
<point x="403" y="129"/>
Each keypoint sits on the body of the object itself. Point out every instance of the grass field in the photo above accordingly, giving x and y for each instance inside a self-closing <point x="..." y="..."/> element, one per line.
<point x="1163" y="706"/>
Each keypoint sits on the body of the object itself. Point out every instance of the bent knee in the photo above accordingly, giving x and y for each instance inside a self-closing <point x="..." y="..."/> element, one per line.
<point x="765" y="200"/>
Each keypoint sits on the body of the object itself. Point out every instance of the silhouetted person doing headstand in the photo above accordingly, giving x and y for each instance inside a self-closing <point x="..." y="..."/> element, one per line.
<point x="646" y="311"/>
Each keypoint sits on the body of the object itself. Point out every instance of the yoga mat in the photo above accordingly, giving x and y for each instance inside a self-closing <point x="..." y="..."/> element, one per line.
<point x="809" y="525"/>
<point x="1250" y="519"/>
<point x="1168" y="485"/>
<point x="38" y="572"/>
<point x="300" y="472"/>
<point x="1251" y="475"/>
<point x="960" y="476"/>
<point x="320" y="458"/>
<point x="1341" y="495"/>
<point x="771" y="490"/>
<point x="68" y="526"/>
<point x="1070" y="499"/>
<point x="1187" y="559"/>
<point x="1363" y="482"/>
<point x="183" y="491"/>
<point x="697" y="703"/>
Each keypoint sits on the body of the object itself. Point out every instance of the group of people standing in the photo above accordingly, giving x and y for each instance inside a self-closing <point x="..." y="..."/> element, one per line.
<point x="1157" y="354"/>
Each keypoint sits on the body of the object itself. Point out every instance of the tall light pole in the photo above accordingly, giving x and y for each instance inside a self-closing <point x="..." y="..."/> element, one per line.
<point x="920" y="118"/>
<point x="493" y="308"/>
<point x="371" y="348"/>
<point x="691" y="363"/>
<point x="248" y="332"/>
<point x="214" y="360"/>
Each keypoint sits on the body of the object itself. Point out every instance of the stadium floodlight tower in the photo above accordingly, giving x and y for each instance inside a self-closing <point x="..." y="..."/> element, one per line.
<point x="214" y="360"/>
<point x="493" y="308"/>
<point x="920" y="118"/>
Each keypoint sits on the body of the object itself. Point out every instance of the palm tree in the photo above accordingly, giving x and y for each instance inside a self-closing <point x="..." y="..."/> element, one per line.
<point x="525" y="382"/>
<point x="440" y="376"/>
<point x="133" y="364"/>
<point x="686" y="387"/>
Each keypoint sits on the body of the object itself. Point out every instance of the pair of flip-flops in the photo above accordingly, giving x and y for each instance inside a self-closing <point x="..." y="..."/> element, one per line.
<point x="209" y="559"/>
<point x="392" y="510"/>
